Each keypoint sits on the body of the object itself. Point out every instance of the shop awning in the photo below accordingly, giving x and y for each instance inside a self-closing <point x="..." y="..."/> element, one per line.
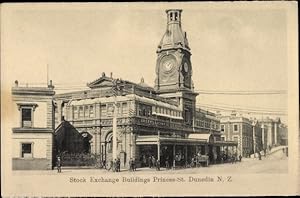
<point x="148" y="140"/>
<point x="193" y="139"/>
<point x="225" y="143"/>
<point x="203" y="136"/>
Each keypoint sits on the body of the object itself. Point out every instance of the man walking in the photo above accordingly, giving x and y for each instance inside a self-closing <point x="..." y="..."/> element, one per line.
<point x="58" y="163"/>
<point x="158" y="165"/>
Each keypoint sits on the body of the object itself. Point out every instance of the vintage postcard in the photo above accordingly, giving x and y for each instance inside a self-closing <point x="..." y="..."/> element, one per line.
<point x="149" y="99"/>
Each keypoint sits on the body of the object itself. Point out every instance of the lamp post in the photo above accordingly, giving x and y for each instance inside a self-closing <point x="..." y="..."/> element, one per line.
<point x="116" y="89"/>
<point x="114" y="149"/>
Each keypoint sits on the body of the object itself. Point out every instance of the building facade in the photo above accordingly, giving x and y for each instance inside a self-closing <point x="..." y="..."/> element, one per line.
<point x="160" y="121"/>
<point x="239" y="129"/>
<point x="32" y="135"/>
<point x="274" y="132"/>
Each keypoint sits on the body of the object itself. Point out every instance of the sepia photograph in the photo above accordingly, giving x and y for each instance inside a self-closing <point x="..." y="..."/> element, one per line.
<point x="149" y="99"/>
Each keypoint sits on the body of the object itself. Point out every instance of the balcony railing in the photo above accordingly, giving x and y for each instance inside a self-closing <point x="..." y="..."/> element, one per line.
<point x="140" y="121"/>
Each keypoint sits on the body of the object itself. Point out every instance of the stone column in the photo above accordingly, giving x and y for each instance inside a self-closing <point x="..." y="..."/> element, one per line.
<point x="133" y="145"/>
<point x="95" y="140"/>
<point x="263" y="136"/>
<point x="254" y="140"/>
<point x="269" y="135"/>
<point x="158" y="146"/>
<point x="275" y="135"/>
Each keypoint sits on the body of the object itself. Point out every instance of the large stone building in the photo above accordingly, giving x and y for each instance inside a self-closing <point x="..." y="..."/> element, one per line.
<point x="162" y="121"/>
<point x="271" y="130"/>
<point x="253" y="135"/>
<point x="238" y="129"/>
<point x="32" y="134"/>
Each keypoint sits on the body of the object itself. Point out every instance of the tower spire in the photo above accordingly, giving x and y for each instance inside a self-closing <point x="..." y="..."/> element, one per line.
<point x="174" y="37"/>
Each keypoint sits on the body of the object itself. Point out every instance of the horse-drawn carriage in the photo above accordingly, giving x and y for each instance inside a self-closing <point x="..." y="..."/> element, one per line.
<point x="203" y="159"/>
<point x="200" y="160"/>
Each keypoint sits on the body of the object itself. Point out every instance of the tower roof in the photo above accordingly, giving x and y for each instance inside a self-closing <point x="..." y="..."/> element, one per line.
<point x="174" y="37"/>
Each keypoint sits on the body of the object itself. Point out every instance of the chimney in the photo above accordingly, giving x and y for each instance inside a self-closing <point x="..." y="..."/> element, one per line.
<point x="111" y="75"/>
<point x="16" y="83"/>
<point x="50" y="86"/>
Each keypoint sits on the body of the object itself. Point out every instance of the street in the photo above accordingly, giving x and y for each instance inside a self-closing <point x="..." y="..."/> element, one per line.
<point x="277" y="162"/>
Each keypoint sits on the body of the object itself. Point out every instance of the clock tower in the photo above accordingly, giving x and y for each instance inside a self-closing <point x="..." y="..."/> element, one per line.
<point x="174" y="68"/>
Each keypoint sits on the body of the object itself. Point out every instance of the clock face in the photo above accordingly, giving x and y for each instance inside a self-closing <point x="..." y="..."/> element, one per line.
<point x="168" y="64"/>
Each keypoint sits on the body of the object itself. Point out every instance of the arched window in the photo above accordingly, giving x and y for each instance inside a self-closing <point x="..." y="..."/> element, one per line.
<point x="109" y="144"/>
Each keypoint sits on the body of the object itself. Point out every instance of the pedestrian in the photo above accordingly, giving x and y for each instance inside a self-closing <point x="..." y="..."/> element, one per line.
<point x="133" y="165"/>
<point x="111" y="166"/>
<point x="150" y="161"/>
<point x="58" y="163"/>
<point x="118" y="165"/>
<point x="232" y="159"/>
<point x="240" y="157"/>
<point x="153" y="161"/>
<point x="259" y="156"/>
<point x="115" y="165"/>
<point x="104" y="164"/>
<point x="130" y="165"/>
<point x="158" y="165"/>
<point x="174" y="164"/>
<point x="167" y="164"/>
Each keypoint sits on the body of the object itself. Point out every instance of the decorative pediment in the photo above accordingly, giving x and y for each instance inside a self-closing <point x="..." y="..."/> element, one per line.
<point x="101" y="82"/>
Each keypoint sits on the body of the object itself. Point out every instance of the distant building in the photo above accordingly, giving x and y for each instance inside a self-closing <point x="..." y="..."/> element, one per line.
<point x="271" y="131"/>
<point x="32" y="135"/>
<point x="239" y="129"/>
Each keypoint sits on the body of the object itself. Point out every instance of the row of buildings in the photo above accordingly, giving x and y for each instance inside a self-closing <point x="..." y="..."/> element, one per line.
<point x="253" y="135"/>
<point x="133" y="120"/>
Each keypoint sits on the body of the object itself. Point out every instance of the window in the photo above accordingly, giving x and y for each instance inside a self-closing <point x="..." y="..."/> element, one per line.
<point x="81" y="112"/>
<point x="222" y="127"/>
<point x="149" y="111"/>
<point x="103" y="110"/>
<point x="26" y="150"/>
<point x="92" y="111"/>
<point x="186" y="116"/>
<point x="26" y="117"/>
<point x="235" y="127"/>
<point x="110" y="110"/>
<point x="124" y="108"/>
<point x="119" y="110"/>
<point x="75" y="113"/>
<point x="222" y="138"/>
<point x="86" y="111"/>
<point x="26" y="111"/>
<point x="235" y="139"/>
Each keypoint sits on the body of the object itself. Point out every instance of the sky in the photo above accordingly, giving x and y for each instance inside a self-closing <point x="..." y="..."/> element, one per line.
<point x="234" y="47"/>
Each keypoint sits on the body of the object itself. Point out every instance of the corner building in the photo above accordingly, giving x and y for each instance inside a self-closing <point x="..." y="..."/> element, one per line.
<point x="33" y="127"/>
<point x="162" y="121"/>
